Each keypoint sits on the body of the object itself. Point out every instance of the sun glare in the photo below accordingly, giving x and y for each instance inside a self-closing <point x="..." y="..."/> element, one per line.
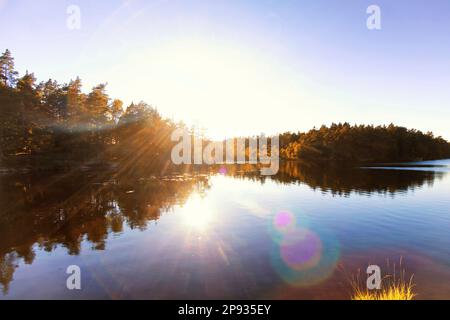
<point x="209" y="84"/>
<point x="197" y="213"/>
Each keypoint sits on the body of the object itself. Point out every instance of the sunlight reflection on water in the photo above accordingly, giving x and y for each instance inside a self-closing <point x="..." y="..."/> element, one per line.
<point x="231" y="235"/>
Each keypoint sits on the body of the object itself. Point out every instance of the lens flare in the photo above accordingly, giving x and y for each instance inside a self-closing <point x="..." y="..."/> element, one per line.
<point x="301" y="249"/>
<point x="283" y="221"/>
<point x="302" y="254"/>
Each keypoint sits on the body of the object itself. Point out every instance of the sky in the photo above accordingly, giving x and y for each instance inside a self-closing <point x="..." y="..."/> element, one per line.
<point x="247" y="67"/>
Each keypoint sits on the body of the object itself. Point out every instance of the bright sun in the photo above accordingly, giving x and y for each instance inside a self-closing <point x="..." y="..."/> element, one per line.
<point x="209" y="84"/>
<point x="197" y="213"/>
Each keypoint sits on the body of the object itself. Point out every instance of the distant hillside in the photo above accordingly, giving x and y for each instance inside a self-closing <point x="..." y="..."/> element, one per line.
<point x="360" y="143"/>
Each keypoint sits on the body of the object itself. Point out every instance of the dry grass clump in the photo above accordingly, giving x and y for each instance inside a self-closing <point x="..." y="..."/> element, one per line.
<point x="394" y="286"/>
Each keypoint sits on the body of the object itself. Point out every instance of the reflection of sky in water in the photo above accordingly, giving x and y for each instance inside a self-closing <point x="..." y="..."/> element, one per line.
<point x="431" y="165"/>
<point x="412" y="168"/>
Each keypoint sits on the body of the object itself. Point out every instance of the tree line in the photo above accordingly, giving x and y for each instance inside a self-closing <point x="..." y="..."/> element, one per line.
<point x="363" y="144"/>
<point x="43" y="123"/>
<point x="48" y="123"/>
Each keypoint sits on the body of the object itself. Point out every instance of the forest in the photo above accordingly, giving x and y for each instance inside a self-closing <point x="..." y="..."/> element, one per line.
<point x="48" y="124"/>
<point x="363" y="144"/>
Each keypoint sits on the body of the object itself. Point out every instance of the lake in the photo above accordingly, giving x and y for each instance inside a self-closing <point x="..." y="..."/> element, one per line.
<point x="224" y="234"/>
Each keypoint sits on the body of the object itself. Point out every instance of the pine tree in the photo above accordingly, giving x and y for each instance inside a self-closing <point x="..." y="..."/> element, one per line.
<point x="75" y="100"/>
<point x="8" y="76"/>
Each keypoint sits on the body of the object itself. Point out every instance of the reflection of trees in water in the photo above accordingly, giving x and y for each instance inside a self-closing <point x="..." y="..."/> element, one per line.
<point x="65" y="210"/>
<point x="342" y="180"/>
<point x="7" y="267"/>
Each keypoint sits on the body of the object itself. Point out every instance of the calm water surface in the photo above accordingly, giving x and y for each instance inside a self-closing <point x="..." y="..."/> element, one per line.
<point x="299" y="235"/>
